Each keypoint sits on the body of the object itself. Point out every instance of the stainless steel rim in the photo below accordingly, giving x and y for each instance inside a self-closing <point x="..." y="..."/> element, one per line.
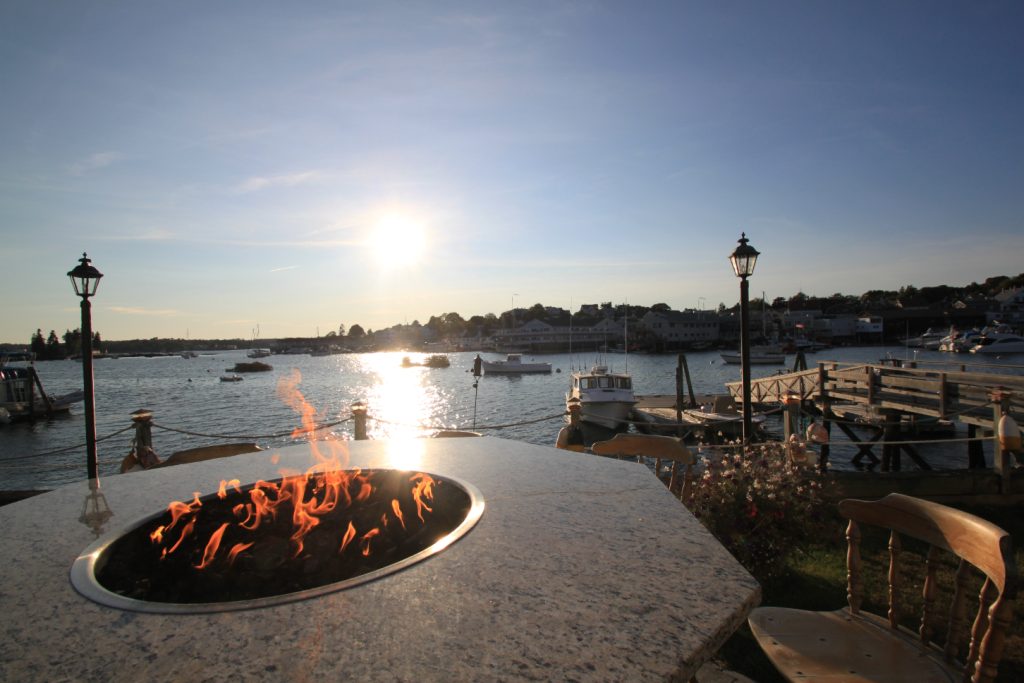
<point x="84" y="580"/>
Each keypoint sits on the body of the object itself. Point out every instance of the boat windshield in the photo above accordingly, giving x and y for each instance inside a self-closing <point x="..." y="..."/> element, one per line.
<point x="623" y="383"/>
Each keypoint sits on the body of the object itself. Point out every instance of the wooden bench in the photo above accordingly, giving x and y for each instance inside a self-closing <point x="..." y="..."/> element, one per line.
<point x="853" y="645"/>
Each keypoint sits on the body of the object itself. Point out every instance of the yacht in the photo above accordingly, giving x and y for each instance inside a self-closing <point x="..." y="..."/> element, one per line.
<point x="1007" y="343"/>
<point x="759" y="355"/>
<point x="513" y="365"/>
<point x="929" y="340"/>
<point x="606" y="398"/>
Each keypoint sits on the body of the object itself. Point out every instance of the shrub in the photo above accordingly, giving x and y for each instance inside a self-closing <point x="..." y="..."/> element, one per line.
<point x="760" y="504"/>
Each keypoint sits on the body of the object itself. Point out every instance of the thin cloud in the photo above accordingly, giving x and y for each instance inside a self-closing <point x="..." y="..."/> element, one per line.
<point x="257" y="183"/>
<point x="151" y="235"/>
<point x="282" y="269"/>
<point x="156" y="312"/>
<point x="95" y="161"/>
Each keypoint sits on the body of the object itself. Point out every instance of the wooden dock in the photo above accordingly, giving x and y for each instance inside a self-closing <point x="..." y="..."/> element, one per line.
<point x="888" y="395"/>
<point x="967" y="397"/>
<point x="659" y="414"/>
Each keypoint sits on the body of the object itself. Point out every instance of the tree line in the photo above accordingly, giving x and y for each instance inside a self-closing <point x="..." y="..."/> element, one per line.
<point x="452" y="325"/>
<point x="51" y="348"/>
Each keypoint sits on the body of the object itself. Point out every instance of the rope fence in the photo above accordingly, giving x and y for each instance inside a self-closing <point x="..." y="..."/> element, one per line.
<point x="278" y="435"/>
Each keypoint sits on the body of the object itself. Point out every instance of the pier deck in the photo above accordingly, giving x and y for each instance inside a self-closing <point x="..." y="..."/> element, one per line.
<point x="960" y="395"/>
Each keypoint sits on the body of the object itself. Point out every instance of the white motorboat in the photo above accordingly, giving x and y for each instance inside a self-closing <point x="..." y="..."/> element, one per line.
<point x="759" y="355"/>
<point x="1007" y="343"/>
<point x="606" y="398"/>
<point x="259" y="353"/>
<point x="960" y="342"/>
<point x="930" y="340"/>
<point x="513" y="365"/>
<point x="721" y="415"/>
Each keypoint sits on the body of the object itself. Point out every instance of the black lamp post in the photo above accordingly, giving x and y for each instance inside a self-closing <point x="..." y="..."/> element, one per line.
<point x="85" y="279"/>
<point x="743" y="259"/>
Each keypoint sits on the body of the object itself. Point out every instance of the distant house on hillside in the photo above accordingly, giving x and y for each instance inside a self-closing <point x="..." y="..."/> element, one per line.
<point x="681" y="329"/>
<point x="538" y="336"/>
<point x="1010" y="307"/>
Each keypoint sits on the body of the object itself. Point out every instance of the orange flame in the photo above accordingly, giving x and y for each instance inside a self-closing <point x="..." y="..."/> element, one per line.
<point x="222" y="492"/>
<point x="367" y="537"/>
<point x="184" y="533"/>
<point x="211" y="546"/>
<point x="350" y="533"/>
<point x="322" y="488"/>
<point x="423" y="489"/>
<point x="398" y="511"/>
<point x="234" y="552"/>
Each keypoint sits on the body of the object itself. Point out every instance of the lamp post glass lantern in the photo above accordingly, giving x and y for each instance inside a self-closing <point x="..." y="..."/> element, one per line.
<point x="743" y="259"/>
<point x="85" y="279"/>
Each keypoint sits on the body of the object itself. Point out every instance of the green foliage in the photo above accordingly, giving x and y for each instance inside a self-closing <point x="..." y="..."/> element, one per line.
<point x="761" y="505"/>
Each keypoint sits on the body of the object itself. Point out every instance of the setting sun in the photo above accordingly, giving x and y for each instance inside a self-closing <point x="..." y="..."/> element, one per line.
<point x="397" y="241"/>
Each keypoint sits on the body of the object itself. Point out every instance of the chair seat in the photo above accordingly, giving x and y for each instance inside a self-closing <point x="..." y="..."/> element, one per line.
<point x="837" y="646"/>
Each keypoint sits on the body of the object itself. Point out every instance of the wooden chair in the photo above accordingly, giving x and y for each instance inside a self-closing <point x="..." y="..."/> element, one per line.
<point x="660" y="448"/>
<point x="853" y="645"/>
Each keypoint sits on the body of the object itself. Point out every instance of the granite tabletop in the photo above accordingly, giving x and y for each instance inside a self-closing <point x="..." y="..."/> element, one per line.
<point x="580" y="568"/>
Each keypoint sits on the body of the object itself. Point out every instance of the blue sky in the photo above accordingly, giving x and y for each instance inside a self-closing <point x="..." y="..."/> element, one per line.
<point x="294" y="166"/>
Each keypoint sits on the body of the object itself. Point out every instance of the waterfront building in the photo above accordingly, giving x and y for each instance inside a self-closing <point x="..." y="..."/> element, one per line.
<point x="1009" y="308"/>
<point x="680" y="329"/>
<point x="538" y="336"/>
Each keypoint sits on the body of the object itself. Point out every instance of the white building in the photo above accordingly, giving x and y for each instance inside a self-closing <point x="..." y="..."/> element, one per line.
<point x="676" y="328"/>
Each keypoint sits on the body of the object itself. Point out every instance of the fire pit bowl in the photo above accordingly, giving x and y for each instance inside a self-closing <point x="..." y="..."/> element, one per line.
<point x="253" y="546"/>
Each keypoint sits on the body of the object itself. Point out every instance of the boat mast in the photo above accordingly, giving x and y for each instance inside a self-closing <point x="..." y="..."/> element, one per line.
<point x="572" y="366"/>
<point x="625" y="337"/>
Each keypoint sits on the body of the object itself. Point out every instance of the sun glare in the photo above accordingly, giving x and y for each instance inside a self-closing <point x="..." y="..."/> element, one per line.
<point x="397" y="241"/>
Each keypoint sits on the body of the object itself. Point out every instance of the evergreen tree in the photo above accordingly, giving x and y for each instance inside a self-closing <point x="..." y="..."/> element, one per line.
<point x="53" y="348"/>
<point x="38" y="344"/>
<point x="72" y="342"/>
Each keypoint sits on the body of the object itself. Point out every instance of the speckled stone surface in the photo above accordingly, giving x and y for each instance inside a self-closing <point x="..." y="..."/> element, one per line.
<point x="581" y="568"/>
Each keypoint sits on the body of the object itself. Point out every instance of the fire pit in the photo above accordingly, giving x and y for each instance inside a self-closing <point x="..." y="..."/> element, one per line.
<point x="277" y="541"/>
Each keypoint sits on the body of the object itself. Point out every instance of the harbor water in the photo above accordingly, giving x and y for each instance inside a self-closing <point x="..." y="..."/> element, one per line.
<point x="403" y="402"/>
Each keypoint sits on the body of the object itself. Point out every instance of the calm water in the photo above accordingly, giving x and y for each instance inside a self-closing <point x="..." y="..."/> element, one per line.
<point x="187" y="394"/>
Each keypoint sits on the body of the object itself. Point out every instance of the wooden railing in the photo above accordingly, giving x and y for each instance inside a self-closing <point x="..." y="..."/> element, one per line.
<point x="969" y="397"/>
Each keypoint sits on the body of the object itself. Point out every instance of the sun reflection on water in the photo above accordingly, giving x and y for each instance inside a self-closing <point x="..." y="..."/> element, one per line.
<point x="401" y="401"/>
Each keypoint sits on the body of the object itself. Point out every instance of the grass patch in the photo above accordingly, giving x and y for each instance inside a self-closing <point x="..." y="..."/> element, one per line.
<point x="815" y="579"/>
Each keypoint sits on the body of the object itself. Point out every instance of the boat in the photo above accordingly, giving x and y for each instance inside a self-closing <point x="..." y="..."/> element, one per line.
<point x="259" y="353"/>
<point x="721" y="416"/>
<point x="255" y="366"/>
<point x="513" y="364"/>
<point x="929" y="340"/>
<point x="437" y="360"/>
<point x="22" y="396"/>
<point x="230" y="378"/>
<point x="960" y="342"/>
<point x="606" y="398"/>
<point x="759" y="355"/>
<point x="709" y="415"/>
<point x="1008" y="343"/>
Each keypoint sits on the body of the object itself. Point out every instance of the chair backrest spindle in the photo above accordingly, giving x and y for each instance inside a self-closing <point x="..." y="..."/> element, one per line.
<point x="976" y="542"/>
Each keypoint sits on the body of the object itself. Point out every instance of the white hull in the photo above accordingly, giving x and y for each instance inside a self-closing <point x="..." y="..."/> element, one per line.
<point x="513" y="365"/>
<point x="605" y="398"/>
<point x="610" y="414"/>
<point x="755" y="358"/>
<point x="1005" y="344"/>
